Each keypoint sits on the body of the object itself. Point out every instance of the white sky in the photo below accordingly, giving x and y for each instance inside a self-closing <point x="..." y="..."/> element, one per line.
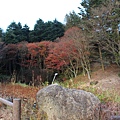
<point x="29" y="11"/>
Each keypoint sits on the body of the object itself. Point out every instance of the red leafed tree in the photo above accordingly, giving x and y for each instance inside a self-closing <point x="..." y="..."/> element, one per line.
<point x="33" y="52"/>
<point x="32" y="57"/>
<point x="44" y="48"/>
<point x="37" y="52"/>
<point x="63" y="56"/>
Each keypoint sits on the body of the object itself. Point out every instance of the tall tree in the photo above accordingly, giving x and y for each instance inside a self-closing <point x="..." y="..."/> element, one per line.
<point x="72" y="19"/>
<point x="25" y="33"/>
<point x="1" y="34"/>
<point x="47" y="31"/>
<point x="8" y="54"/>
<point x="39" y="29"/>
<point x="85" y="10"/>
<point x="57" y="30"/>
<point x="101" y="22"/>
<point x="62" y="58"/>
<point x="10" y="36"/>
<point x="13" y="33"/>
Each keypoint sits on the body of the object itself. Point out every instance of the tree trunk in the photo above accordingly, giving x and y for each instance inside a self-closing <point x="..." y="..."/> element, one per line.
<point x="101" y="59"/>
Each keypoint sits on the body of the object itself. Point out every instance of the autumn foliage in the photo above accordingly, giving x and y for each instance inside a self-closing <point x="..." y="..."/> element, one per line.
<point x="60" y="54"/>
<point x="67" y="55"/>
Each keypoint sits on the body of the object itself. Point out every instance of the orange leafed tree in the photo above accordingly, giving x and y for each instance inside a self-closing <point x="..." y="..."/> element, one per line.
<point x="44" y="48"/>
<point x="37" y="52"/>
<point x="33" y="51"/>
<point x="63" y="56"/>
<point x="32" y="57"/>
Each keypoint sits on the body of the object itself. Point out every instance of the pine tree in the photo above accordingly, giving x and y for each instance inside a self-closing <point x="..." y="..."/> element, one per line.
<point x="101" y="20"/>
<point x="72" y="19"/>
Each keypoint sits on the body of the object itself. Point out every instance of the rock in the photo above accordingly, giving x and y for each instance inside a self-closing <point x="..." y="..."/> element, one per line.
<point x="58" y="103"/>
<point x="93" y="82"/>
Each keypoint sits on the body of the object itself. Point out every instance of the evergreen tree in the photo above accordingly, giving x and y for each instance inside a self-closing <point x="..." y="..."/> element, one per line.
<point x="25" y="33"/>
<point x="13" y="33"/>
<point x="47" y="31"/>
<point x="1" y="33"/>
<point x="32" y="36"/>
<point x="53" y="30"/>
<point x="39" y="30"/>
<point x="72" y="19"/>
<point x="101" y="20"/>
<point x="58" y="30"/>
<point x="85" y="10"/>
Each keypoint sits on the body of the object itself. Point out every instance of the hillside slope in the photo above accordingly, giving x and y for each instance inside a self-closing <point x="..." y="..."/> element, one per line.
<point x="108" y="79"/>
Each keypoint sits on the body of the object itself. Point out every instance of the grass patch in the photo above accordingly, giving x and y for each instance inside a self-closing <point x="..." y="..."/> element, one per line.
<point x="110" y="95"/>
<point x="104" y="96"/>
<point x="21" y="84"/>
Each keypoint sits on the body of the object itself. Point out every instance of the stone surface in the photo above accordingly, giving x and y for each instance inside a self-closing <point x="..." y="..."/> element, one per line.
<point x="58" y="103"/>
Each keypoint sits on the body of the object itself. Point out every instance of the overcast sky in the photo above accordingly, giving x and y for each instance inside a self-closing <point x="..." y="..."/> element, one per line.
<point x="28" y="11"/>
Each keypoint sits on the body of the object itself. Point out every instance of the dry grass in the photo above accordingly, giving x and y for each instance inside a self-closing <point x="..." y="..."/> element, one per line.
<point x="27" y="95"/>
<point x="107" y="90"/>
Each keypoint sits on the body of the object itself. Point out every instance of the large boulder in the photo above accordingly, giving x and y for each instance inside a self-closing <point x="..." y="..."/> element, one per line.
<point x="58" y="103"/>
